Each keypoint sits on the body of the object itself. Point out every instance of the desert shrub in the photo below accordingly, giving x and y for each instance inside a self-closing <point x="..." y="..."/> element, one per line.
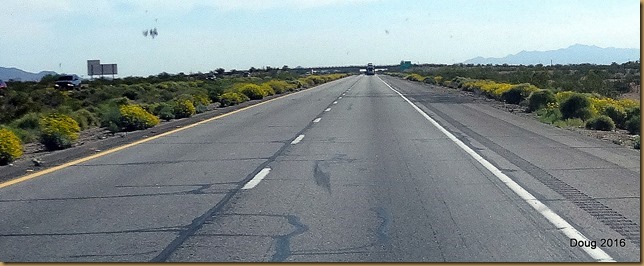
<point x="633" y="125"/>
<point x="278" y="86"/>
<point x="415" y="77"/>
<point x="636" y="143"/>
<point x="85" y="119"/>
<point x="28" y="121"/>
<point x="632" y="111"/>
<point x="131" y="94"/>
<point x="305" y="82"/>
<point x="617" y="115"/>
<point x="164" y="111"/>
<point x="576" y="106"/>
<point x="134" y="117"/>
<point x="201" y="108"/>
<point x="232" y="98"/>
<point x="201" y="99"/>
<point x="540" y="99"/>
<point x="58" y="131"/>
<point x="570" y="122"/>
<point x="601" y="122"/>
<point x="429" y="80"/>
<point x="184" y="108"/>
<point x="110" y="116"/>
<point x="549" y="115"/>
<point x="513" y="95"/>
<point x="25" y="135"/>
<point x="252" y="91"/>
<point x="268" y="90"/>
<point x="10" y="146"/>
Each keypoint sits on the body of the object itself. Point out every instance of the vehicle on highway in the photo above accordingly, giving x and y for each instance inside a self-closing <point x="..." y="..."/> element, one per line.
<point x="371" y="70"/>
<point x="3" y="85"/>
<point x="68" y="82"/>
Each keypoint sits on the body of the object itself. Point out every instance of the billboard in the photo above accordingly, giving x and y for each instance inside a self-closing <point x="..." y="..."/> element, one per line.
<point x="94" y="67"/>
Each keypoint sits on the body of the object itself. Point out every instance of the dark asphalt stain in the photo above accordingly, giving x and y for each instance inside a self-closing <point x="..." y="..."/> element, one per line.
<point x="283" y="243"/>
<point x="321" y="175"/>
<point x="383" y="228"/>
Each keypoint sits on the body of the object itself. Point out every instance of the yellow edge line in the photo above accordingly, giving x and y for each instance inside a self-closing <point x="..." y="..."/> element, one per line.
<point x="113" y="150"/>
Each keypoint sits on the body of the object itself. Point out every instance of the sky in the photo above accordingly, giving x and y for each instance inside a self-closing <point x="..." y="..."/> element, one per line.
<point x="200" y="36"/>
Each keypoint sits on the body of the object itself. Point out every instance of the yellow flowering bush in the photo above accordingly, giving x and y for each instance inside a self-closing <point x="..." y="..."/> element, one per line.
<point x="184" y="108"/>
<point x="10" y="146"/>
<point x="134" y="117"/>
<point x="58" y="131"/>
<point x="232" y="98"/>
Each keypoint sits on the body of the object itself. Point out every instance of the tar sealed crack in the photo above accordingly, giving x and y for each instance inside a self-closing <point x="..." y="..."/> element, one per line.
<point x="283" y="243"/>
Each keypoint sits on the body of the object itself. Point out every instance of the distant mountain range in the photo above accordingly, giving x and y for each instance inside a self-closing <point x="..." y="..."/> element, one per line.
<point x="21" y="75"/>
<point x="575" y="54"/>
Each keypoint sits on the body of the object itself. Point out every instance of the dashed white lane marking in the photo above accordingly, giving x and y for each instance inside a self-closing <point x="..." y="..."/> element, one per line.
<point x="317" y="120"/>
<point x="336" y="102"/>
<point x="562" y="225"/>
<point x="328" y="109"/>
<point x="339" y="97"/>
<point x="257" y="178"/>
<point x="298" y="139"/>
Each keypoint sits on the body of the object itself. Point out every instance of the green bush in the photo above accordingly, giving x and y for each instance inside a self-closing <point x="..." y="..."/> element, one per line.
<point x="85" y="119"/>
<point x="110" y="117"/>
<point x="201" y="108"/>
<point x="618" y="116"/>
<point x="26" y="135"/>
<point x="58" y="131"/>
<point x="232" y="98"/>
<point x="28" y="121"/>
<point x="10" y="146"/>
<point x="184" y="108"/>
<point x="633" y="125"/>
<point x="636" y="143"/>
<point x="568" y="123"/>
<point x="548" y="115"/>
<point x="134" y="117"/>
<point x="633" y="111"/>
<point x="577" y="106"/>
<point x="513" y="95"/>
<point x="601" y="122"/>
<point x="540" y="99"/>
<point x="253" y="92"/>
<point x="164" y="111"/>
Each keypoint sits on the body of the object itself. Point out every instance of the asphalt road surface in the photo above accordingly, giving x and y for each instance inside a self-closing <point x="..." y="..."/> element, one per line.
<point x="347" y="171"/>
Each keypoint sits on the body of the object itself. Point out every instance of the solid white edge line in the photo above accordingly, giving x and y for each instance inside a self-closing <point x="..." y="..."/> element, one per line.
<point x="298" y="139"/>
<point x="561" y="224"/>
<point x="317" y="120"/>
<point x="328" y="109"/>
<point x="257" y="178"/>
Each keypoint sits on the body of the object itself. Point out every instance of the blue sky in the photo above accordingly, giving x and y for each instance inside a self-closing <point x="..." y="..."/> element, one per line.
<point x="194" y="35"/>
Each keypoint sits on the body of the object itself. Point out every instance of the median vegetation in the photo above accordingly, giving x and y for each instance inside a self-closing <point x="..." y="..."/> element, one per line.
<point x="37" y="112"/>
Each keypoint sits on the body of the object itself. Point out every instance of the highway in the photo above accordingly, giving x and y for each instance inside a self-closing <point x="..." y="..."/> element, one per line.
<point x="366" y="168"/>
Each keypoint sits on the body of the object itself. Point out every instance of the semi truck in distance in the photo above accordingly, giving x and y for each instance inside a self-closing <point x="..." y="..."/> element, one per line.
<point x="371" y="70"/>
